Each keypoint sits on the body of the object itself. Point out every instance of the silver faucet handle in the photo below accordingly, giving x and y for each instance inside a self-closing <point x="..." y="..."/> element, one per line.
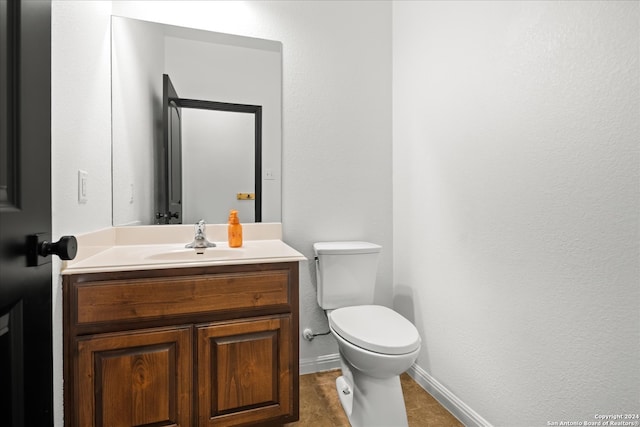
<point x="200" y="239"/>
<point x="200" y="228"/>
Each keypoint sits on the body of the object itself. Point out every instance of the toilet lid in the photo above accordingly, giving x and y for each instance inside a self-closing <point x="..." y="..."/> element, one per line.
<point x="375" y="328"/>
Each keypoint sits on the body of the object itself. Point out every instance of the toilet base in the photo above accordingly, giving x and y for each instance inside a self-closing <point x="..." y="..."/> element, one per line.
<point x="372" y="402"/>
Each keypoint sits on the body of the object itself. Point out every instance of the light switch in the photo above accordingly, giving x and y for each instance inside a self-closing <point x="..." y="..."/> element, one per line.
<point x="82" y="186"/>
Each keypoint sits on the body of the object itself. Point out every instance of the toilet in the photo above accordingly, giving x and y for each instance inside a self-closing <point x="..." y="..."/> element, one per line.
<point x="376" y="344"/>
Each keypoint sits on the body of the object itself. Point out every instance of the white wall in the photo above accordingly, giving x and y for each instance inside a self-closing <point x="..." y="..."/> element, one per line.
<point x="336" y="177"/>
<point x="80" y="136"/>
<point x="81" y="114"/>
<point x="516" y="203"/>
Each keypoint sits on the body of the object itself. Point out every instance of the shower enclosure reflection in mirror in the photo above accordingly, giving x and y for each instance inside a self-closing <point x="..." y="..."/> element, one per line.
<point x="214" y="127"/>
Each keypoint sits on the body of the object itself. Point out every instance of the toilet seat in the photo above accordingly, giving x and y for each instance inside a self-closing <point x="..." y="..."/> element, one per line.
<point x="375" y="328"/>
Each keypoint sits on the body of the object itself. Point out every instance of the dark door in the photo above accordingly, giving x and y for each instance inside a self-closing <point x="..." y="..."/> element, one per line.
<point x="25" y="209"/>
<point x="171" y="181"/>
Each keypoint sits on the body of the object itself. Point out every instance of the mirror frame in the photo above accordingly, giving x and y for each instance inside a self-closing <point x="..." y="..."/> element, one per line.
<point x="256" y="110"/>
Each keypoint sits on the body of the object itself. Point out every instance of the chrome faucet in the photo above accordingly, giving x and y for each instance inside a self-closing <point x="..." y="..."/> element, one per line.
<point x="200" y="239"/>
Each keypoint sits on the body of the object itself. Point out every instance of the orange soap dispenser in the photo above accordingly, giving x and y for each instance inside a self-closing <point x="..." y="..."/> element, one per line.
<point x="234" y="230"/>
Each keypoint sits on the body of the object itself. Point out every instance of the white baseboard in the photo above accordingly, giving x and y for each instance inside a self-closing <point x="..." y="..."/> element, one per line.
<point x="319" y="364"/>
<point x="450" y="401"/>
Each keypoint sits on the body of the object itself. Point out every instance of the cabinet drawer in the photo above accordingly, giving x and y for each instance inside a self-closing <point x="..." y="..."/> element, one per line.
<point x="121" y="300"/>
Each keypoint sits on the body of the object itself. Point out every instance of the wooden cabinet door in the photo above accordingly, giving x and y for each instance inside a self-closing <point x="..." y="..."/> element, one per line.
<point x="245" y="371"/>
<point x="135" y="378"/>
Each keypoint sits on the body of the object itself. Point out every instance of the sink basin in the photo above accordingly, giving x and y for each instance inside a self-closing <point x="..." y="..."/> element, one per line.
<point x="190" y="254"/>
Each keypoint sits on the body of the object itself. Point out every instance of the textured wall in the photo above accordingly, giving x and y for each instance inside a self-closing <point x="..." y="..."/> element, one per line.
<point x="516" y="203"/>
<point x="80" y="136"/>
<point x="81" y="114"/>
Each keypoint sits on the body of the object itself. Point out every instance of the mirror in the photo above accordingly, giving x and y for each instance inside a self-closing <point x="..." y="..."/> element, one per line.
<point x="218" y="171"/>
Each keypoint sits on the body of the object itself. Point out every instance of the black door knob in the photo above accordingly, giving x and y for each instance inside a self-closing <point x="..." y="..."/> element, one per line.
<point x="66" y="248"/>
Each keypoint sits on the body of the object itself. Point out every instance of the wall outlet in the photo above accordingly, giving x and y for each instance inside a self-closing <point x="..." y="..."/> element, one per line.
<point x="83" y="177"/>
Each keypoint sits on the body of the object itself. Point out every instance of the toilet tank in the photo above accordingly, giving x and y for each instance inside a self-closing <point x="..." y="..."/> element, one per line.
<point x="346" y="273"/>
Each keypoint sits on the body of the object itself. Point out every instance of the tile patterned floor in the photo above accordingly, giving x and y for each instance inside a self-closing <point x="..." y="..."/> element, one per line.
<point x="320" y="406"/>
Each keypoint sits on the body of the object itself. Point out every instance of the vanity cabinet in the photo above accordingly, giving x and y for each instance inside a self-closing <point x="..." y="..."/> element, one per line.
<point x="201" y="346"/>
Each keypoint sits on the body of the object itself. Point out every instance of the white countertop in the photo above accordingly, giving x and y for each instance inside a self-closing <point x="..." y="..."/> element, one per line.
<point x="158" y="247"/>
